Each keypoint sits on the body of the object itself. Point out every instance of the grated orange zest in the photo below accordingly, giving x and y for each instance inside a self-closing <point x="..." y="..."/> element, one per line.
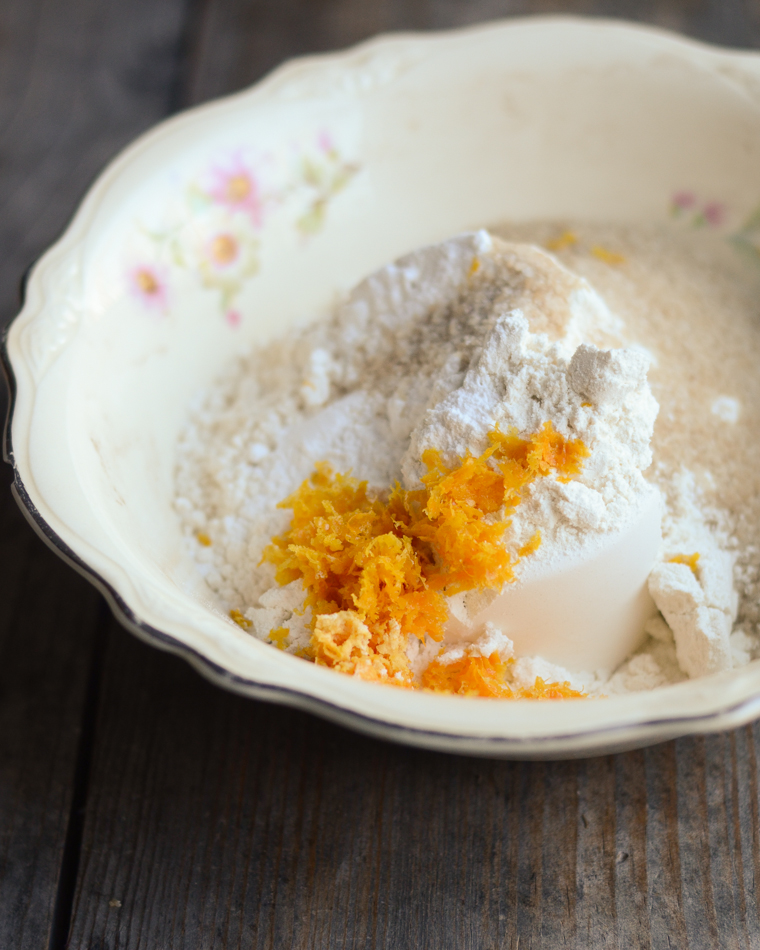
<point x="345" y="643"/>
<point x="469" y="676"/>
<point x="531" y="546"/>
<point x="239" y="619"/>
<point x="565" y="240"/>
<point x="542" y="690"/>
<point x="609" y="257"/>
<point x="278" y="637"/>
<point x="485" y="676"/>
<point x="203" y="539"/>
<point x="690" y="560"/>
<point x="376" y="567"/>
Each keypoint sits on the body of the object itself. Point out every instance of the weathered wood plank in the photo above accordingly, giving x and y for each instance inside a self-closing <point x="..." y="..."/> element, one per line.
<point x="631" y="881"/>
<point x="595" y="905"/>
<point x="47" y="626"/>
<point x="214" y="821"/>
<point x="694" y="845"/>
<point x="77" y="81"/>
<point x="665" y="902"/>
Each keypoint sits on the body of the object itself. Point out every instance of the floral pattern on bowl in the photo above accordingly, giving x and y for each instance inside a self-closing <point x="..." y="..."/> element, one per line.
<point x="217" y="230"/>
<point x="747" y="238"/>
<point x="688" y="207"/>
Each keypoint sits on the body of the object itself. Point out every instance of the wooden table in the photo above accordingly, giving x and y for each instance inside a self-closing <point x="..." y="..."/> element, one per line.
<point x="140" y="807"/>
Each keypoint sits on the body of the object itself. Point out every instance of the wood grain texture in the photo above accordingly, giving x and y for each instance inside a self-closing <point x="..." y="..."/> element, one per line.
<point x="48" y="622"/>
<point x="77" y="81"/>
<point x="234" y="42"/>
<point x="218" y="822"/>
<point x="211" y="821"/>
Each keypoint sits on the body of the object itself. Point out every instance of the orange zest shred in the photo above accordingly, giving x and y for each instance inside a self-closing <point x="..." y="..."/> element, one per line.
<point x="342" y="641"/>
<point x="542" y="690"/>
<point x="469" y="676"/>
<point x="377" y="567"/>
<point x="530" y="547"/>
<point x="203" y="539"/>
<point x="566" y="239"/>
<point x="690" y="560"/>
<point x="279" y="636"/>
<point x="609" y="257"/>
<point x="474" y="267"/>
<point x="485" y="676"/>
<point x="239" y="619"/>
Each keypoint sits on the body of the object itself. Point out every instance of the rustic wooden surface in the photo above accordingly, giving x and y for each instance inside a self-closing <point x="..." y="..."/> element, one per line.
<point x="141" y="807"/>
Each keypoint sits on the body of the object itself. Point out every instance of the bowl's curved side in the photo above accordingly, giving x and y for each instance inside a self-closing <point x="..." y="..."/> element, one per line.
<point x="75" y="514"/>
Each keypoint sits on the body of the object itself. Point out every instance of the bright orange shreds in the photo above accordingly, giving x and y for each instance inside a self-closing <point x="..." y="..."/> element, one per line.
<point x="350" y="555"/>
<point x="343" y="642"/>
<point x="531" y="546"/>
<point x="239" y="619"/>
<point x="388" y="559"/>
<point x="566" y="239"/>
<point x="470" y="676"/>
<point x="474" y="267"/>
<point x="485" y="676"/>
<point x="544" y="451"/>
<point x="203" y="539"/>
<point x="690" y="560"/>
<point x="279" y="636"/>
<point x="542" y="690"/>
<point x="609" y="257"/>
<point x="461" y="549"/>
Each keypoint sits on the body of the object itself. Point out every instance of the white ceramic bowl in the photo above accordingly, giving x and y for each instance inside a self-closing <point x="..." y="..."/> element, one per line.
<point x="327" y="169"/>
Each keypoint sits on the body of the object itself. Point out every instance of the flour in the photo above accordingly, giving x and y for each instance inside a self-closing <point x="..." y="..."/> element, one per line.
<point x="434" y="351"/>
<point x="699" y="604"/>
<point x="520" y="379"/>
<point x="491" y="640"/>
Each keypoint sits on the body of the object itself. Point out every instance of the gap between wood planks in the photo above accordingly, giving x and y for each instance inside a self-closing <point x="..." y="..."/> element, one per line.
<point x="72" y="848"/>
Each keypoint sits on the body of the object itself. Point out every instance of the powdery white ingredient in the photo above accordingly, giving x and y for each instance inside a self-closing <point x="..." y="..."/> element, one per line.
<point x="521" y="379"/>
<point x="527" y="668"/>
<point x="727" y="409"/>
<point x="433" y="351"/>
<point x="701" y="631"/>
<point x="491" y="640"/>
<point x="653" y="665"/>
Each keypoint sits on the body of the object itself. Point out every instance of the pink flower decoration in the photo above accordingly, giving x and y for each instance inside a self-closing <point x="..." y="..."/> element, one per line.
<point x="325" y="142"/>
<point x="236" y="188"/>
<point x="223" y="250"/>
<point x="684" y="199"/>
<point x="714" y="213"/>
<point x="149" y="286"/>
<point x="233" y="318"/>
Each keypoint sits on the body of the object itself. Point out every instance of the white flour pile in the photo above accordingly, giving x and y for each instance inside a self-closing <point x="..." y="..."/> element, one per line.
<point x="435" y="351"/>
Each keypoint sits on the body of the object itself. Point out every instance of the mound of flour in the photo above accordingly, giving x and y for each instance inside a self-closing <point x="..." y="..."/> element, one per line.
<point x="434" y="351"/>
